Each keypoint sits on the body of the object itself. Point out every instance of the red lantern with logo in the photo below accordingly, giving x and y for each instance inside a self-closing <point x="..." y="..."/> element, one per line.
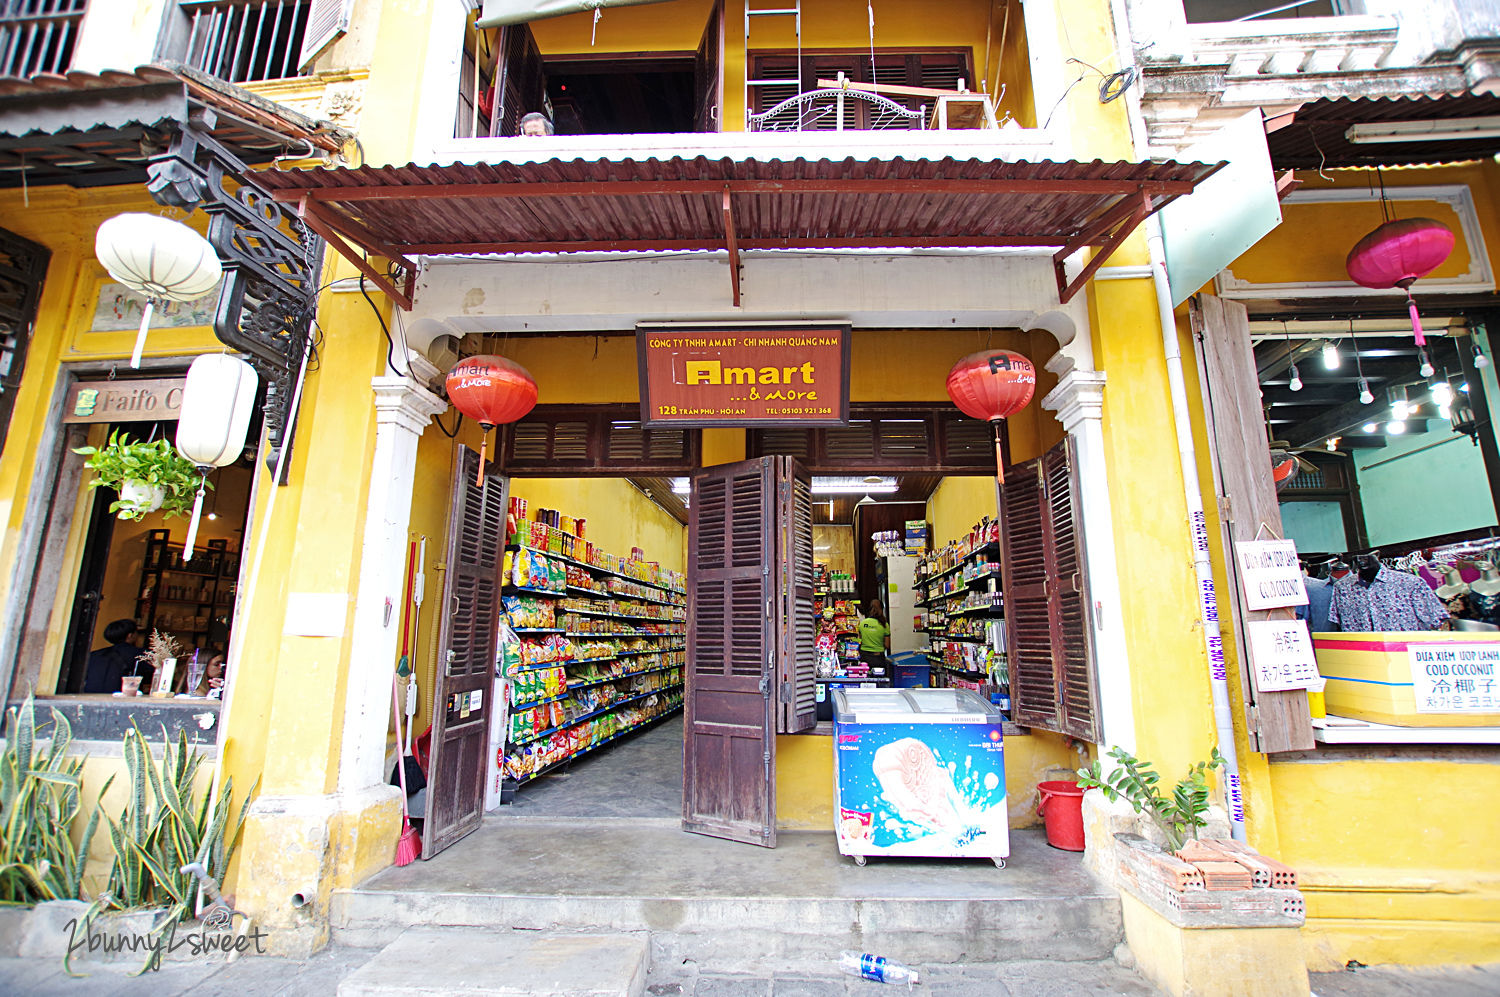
<point x="992" y="385"/>
<point x="1398" y="253"/>
<point x="491" y="391"/>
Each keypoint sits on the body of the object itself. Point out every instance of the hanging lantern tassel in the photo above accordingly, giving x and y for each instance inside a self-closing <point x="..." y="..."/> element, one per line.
<point x="484" y="443"/>
<point x="140" y="337"/>
<point x="999" y="453"/>
<point x="192" y="533"/>
<point x="1416" y="320"/>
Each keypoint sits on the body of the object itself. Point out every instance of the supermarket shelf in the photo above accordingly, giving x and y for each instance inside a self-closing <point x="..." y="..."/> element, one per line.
<point x="999" y="611"/>
<point x="528" y="590"/>
<point x="588" y="661"/>
<point x="959" y="637"/>
<point x="618" y="634"/>
<point x="622" y="616"/>
<point x="597" y="744"/>
<point x="541" y="665"/>
<point x="538" y="702"/>
<point x="965" y="672"/>
<point x="592" y="593"/>
<point x="982" y="548"/>
<point x="594" y="568"/>
<point x="622" y="675"/>
<point x="537" y="630"/>
<point x="596" y="713"/>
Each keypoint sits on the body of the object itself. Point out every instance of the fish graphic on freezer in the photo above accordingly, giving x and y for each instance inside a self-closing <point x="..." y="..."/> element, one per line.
<point x="919" y="772"/>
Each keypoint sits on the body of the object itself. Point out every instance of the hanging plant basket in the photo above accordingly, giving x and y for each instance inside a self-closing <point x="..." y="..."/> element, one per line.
<point x="149" y="477"/>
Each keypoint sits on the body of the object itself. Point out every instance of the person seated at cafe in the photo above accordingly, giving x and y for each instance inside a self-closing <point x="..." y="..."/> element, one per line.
<point x="108" y="665"/>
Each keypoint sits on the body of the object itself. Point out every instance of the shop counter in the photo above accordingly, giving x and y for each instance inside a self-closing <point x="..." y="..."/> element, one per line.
<point x="1418" y="678"/>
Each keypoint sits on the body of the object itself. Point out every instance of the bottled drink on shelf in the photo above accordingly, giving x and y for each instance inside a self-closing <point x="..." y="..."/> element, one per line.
<point x="877" y="968"/>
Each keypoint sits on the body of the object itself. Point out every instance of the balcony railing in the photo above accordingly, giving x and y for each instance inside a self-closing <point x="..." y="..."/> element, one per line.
<point x="37" y="36"/>
<point x="246" y="40"/>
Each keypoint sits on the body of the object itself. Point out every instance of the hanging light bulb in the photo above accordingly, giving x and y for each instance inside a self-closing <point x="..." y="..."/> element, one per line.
<point x="1396" y="428"/>
<point x="1371" y="427"/>
<point x="1426" y="370"/>
<point x="1400" y="410"/>
<point x="1333" y="442"/>
<point x="1296" y="382"/>
<point x="1365" y="395"/>
<point x="1480" y="360"/>
<point x="1331" y="357"/>
<point x="1445" y="410"/>
<point x="1442" y="394"/>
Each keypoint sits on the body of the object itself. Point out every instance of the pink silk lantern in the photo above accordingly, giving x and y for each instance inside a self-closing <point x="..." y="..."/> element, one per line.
<point x="490" y="390"/>
<point x="1396" y="254"/>
<point x="992" y="385"/>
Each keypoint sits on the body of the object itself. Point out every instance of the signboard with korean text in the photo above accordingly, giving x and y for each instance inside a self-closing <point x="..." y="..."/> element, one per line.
<point x="146" y="400"/>
<point x="1272" y="577"/>
<point x="771" y="375"/>
<point x="1455" y="678"/>
<point x="1282" y="655"/>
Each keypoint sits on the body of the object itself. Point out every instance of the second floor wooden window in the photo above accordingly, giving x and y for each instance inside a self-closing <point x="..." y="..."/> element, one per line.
<point x="37" y="36"/>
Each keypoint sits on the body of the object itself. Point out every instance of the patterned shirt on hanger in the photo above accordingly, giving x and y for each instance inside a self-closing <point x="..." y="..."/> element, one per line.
<point x="1395" y="600"/>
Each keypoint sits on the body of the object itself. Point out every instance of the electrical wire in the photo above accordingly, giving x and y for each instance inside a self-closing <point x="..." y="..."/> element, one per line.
<point x="390" y="344"/>
<point x="444" y="429"/>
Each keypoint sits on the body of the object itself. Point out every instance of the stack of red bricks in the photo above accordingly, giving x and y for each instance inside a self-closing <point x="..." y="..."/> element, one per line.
<point x="1212" y="876"/>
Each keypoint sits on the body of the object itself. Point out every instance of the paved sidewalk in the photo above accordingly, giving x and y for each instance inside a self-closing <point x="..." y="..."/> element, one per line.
<point x="319" y="976"/>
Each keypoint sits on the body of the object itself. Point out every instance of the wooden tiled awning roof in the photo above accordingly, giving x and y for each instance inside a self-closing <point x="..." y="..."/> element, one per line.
<point x="727" y="204"/>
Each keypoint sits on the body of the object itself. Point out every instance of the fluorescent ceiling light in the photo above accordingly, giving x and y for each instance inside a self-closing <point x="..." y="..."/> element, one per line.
<point x="1429" y="130"/>
<point x="828" y="485"/>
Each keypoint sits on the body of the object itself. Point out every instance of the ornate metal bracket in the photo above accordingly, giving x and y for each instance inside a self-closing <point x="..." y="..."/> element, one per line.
<point x="272" y="263"/>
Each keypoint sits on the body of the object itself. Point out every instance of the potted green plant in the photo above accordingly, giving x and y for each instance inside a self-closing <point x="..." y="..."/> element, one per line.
<point x="148" y="476"/>
<point x="1178" y="816"/>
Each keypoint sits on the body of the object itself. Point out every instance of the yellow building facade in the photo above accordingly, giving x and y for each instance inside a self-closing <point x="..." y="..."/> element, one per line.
<point x="1394" y="856"/>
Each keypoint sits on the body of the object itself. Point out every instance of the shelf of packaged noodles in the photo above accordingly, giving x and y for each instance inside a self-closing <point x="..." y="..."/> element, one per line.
<point x="646" y="722"/>
<point x="539" y="735"/>
<point x="623" y="675"/>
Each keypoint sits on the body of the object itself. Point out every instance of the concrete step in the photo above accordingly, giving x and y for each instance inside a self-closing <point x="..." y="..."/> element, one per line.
<point x="478" y="962"/>
<point x="737" y="907"/>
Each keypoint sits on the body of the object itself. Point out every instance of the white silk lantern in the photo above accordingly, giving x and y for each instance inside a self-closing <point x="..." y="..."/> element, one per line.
<point x="216" y="408"/>
<point x="158" y="257"/>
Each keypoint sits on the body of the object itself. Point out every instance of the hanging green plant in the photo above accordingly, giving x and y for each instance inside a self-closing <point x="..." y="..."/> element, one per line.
<point x="149" y="477"/>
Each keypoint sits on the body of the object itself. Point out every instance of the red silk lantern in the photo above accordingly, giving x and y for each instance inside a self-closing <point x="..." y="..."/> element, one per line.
<point x="992" y="385"/>
<point x="1398" y="253"/>
<point x="491" y="391"/>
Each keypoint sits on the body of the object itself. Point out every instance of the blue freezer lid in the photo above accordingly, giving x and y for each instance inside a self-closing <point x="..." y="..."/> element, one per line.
<point x="912" y="706"/>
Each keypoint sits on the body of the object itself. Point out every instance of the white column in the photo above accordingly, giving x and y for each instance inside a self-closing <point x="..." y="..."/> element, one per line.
<point x="1078" y="401"/>
<point x="402" y="410"/>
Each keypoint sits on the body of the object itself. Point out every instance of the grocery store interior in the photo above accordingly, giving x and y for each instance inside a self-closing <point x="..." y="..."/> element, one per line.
<point x="594" y="710"/>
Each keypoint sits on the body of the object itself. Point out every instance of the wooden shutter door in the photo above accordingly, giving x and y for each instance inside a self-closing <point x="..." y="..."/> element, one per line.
<point x="796" y="627"/>
<point x="729" y="729"/>
<point x="464" y="679"/>
<point x="1047" y="598"/>
<point x="1275" y="721"/>
<point x="521" y="82"/>
<point x="1028" y="623"/>
<point x="1068" y="596"/>
<point x="708" y="78"/>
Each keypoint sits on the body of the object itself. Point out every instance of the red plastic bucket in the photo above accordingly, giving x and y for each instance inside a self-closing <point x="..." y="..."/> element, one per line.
<point x="1061" y="803"/>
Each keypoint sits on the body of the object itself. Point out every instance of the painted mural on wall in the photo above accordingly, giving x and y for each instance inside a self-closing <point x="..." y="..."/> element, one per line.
<point x="119" y="309"/>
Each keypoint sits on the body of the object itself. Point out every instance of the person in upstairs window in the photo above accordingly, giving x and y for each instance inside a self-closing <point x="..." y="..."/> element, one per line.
<point x="536" y="124"/>
<point x="875" y="639"/>
<point x="108" y="664"/>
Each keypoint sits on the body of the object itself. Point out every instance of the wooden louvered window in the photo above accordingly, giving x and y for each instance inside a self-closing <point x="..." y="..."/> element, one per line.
<point x="935" y="69"/>
<point x="23" y="265"/>
<point x="1052" y="677"/>
<point x="570" y="440"/>
<point x="934" y="438"/>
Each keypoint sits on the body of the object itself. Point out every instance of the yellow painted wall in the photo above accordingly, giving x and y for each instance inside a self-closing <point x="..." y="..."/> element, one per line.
<point x="958" y="504"/>
<point x="619" y="515"/>
<point x="1397" y="851"/>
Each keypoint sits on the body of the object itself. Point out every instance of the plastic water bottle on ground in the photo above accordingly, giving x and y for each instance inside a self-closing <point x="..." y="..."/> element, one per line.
<point x="877" y="968"/>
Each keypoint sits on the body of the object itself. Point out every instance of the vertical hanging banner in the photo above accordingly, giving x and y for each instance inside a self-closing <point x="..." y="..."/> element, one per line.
<point x="751" y="376"/>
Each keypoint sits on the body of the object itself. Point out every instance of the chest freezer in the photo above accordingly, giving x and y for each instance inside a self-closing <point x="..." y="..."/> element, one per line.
<point x="919" y="772"/>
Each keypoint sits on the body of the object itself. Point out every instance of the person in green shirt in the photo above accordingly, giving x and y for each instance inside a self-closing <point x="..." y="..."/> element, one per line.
<point x="874" y="638"/>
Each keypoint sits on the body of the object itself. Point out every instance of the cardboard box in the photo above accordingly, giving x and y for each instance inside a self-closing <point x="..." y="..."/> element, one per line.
<point x="1370" y="677"/>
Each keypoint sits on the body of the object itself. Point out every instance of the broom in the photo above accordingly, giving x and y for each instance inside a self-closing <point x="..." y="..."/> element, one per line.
<point x="409" y="845"/>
